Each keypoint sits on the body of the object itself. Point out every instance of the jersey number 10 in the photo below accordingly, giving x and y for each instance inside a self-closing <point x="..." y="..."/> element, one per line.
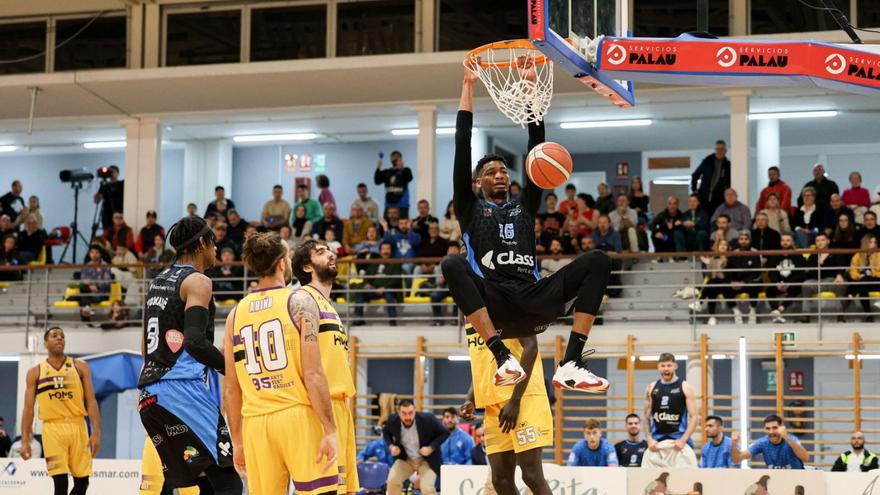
<point x="269" y="338"/>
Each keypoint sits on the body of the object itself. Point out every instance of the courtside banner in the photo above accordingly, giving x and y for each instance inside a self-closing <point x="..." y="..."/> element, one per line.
<point x="471" y="480"/>
<point x="726" y="482"/>
<point x="109" y="476"/>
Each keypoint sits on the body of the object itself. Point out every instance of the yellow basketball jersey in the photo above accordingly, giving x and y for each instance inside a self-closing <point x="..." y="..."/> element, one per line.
<point x="334" y="347"/>
<point x="483" y="368"/>
<point x="60" y="392"/>
<point x="267" y="351"/>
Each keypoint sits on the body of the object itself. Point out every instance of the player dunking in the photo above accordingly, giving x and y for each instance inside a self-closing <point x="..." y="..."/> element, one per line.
<point x="498" y="286"/>
<point x="277" y="395"/>
<point x="175" y="404"/>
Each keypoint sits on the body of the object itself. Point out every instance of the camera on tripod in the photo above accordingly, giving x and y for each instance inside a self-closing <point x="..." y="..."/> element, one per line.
<point x="78" y="175"/>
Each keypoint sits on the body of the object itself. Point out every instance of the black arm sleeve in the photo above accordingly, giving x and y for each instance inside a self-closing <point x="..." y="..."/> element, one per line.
<point x="407" y="175"/>
<point x="379" y="177"/>
<point x="195" y="341"/>
<point x="463" y="196"/>
<point x="531" y="195"/>
<point x="695" y="177"/>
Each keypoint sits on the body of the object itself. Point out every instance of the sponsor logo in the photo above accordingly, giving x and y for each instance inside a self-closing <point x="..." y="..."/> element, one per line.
<point x="535" y="13"/>
<point x="224" y="430"/>
<point x="340" y="340"/>
<point x="664" y="416"/>
<point x="61" y="395"/>
<point x="675" y="391"/>
<point x="648" y="55"/>
<point x="487" y="212"/>
<point x="835" y="64"/>
<point x="507" y="258"/>
<point x="147" y="400"/>
<point x="174" y="430"/>
<point x="9" y="469"/>
<point x="157" y="439"/>
<point x="616" y="54"/>
<point x="164" y="467"/>
<point x="725" y="56"/>
<point x="225" y="448"/>
<point x="174" y="339"/>
<point x="859" y="67"/>
<point x="190" y="453"/>
<point x="487" y="260"/>
<point x="515" y="211"/>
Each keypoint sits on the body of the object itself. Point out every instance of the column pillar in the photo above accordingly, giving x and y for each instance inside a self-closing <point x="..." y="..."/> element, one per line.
<point x="739" y="142"/>
<point x="427" y="33"/>
<point x="768" y="151"/>
<point x="426" y="155"/>
<point x="152" y="30"/>
<point x="206" y="165"/>
<point x="143" y="154"/>
<point x="739" y="17"/>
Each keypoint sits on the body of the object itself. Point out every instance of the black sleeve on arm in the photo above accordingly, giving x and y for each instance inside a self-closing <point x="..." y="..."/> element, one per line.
<point x="531" y="195"/>
<point x="379" y="177"/>
<point x="195" y="341"/>
<point x="463" y="196"/>
<point x="407" y="175"/>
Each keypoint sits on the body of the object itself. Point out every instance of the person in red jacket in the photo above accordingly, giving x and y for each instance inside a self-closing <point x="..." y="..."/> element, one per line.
<point x="779" y="187"/>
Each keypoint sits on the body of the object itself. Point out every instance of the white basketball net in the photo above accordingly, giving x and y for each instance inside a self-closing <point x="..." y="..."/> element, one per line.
<point x="519" y="78"/>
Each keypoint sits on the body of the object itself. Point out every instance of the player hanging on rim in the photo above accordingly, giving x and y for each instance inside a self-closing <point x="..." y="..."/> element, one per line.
<point x="176" y="406"/>
<point x="498" y="285"/>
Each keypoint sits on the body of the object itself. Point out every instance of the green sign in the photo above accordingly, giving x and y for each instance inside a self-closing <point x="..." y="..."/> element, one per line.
<point x="771" y="381"/>
<point x="788" y="337"/>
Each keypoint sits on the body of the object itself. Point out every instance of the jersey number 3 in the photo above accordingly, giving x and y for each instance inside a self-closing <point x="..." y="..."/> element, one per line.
<point x="269" y="338"/>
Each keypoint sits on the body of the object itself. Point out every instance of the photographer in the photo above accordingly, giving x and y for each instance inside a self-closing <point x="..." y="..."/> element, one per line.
<point x="111" y="192"/>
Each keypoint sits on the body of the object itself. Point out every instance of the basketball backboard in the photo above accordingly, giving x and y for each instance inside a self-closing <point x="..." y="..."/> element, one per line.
<point x="570" y="33"/>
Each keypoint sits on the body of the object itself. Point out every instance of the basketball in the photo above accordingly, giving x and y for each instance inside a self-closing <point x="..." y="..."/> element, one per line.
<point x="548" y="165"/>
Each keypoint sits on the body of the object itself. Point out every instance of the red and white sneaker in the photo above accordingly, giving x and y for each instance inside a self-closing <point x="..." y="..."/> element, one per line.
<point x="573" y="375"/>
<point x="509" y="373"/>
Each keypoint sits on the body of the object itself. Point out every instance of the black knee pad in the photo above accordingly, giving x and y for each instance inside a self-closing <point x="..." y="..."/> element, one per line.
<point x="60" y="482"/>
<point x="454" y="266"/>
<point x="80" y="485"/>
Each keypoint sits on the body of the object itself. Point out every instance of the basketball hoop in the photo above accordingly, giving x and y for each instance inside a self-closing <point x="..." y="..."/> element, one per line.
<point x="518" y="76"/>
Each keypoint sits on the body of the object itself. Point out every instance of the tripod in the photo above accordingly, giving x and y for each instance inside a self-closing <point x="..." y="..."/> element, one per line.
<point x="75" y="234"/>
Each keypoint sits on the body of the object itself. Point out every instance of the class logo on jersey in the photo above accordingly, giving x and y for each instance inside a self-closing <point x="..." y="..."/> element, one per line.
<point x="190" y="453"/>
<point x="506" y="258"/>
<point x="174" y="339"/>
<point x="666" y="417"/>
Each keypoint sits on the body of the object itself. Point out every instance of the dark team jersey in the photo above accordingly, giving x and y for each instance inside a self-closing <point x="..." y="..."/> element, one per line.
<point x="165" y="357"/>
<point x="629" y="454"/>
<point x="500" y="239"/>
<point x="669" y="417"/>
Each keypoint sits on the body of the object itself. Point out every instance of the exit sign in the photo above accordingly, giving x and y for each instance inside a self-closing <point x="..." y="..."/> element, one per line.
<point x="788" y="337"/>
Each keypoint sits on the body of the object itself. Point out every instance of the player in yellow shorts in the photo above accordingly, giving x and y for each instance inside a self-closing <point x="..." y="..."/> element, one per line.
<point x="62" y="386"/>
<point x="277" y="395"/>
<point x="152" y="478"/>
<point x="518" y="423"/>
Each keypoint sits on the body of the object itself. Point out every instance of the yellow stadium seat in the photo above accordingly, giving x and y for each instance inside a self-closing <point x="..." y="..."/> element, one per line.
<point x="115" y="295"/>
<point x="41" y="259"/>
<point x="68" y="301"/>
<point x="827" y="295"/>
<point x="5" y="285"/>
<point x="225" y="303"/>
<point x="874" y="294"/>
<point x="414" y="297"/>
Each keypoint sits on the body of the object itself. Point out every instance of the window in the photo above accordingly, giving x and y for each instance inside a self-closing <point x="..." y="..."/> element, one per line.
<point x="101" y="45"/>
<point x="869" y="13"/>
<point x="289" y="33"/>
<point x="375" y="28"/>
<point x="19" y="41"/>
<point x="668" y="19"/>
<point x="203" y="38"/>
<point x="465" y="24"/>
<point x="791" y="16"/>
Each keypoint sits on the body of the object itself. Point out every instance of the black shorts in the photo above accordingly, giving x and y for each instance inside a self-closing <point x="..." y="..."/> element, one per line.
<point x="521" y="309"/>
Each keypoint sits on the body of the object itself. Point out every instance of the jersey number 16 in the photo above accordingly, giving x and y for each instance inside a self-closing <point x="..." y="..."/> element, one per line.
<point x="505" y="231"/>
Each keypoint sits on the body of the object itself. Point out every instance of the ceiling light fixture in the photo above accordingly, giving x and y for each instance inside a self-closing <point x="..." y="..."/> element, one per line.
<point x="262" y="138"/>
<point x="792" y="115"/>
<point x="598" y="124"/>
<point x="440" y="131"/>
<point x="6" y="148"/>
<point x="460" y="358"/>
<point x="104" y="145"/>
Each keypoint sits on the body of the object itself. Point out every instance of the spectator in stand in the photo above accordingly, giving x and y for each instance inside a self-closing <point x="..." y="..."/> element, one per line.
<point x="605" y="202"/>
<point x="478" y="454"/>
<point x="764" y="238"/>
<point x="327" y="222"/>
<point x="405" y="242"/>
<point x="355" y="229"/>
<point x="220" y="205"/>
<point x="441" y="290"/>
<point x="285" y="234"/>
<point x="275" y="211"/>
<point x="6" y="226"/>
<point x="391" y="221"/>
<point x="631" y="450"/>
<point x="847" y="234"/>
<point x="605" y="238"/>
<point x="433" y="246"/>
<point x="640" y="202"/>
<point x="314" y="209"/>
<point x="31" y="240"/>
<point x="302" y="227"/>
<point x="834" y="211"/>
<point x="122" y="272"/>
<point x="33" y="208"/>
<point x="570" y="201"/>
<point x="593" y="450"/>
<point x="449" y="227"/>
<point x="370" y="244"/>
<point x="377" y="449"/>
<point x="227" y="279"/>
<point x="809" y="219"/>
<point x="857" y="460"/>
<point x="551" y="219"/>
<point x="625" y="221"/>
<point x="693" y="234"/>
<point x="368" y="204"/>
<point x="235" y="227"/>
<point x="585" y="245"/>
<point x="12" y="203"/>
<point x="739" y="214"/>
<point x="718" y="282"/>
<point x="396" y="181"/>
<point x="778" y="187"/>
<point x="515" y="190"/>
<point x="119" y="233"/>
<point x="332" y="244"/>
<point x="192" y="210"/>
<point x="664" y="225"/>
<point x="9" y="257"/>
<point x="325" y="195"/>
<point x="551" y="265"/>
<point x="541" y="238"/>
<point x="745" y="277"/>
<point x="780" y="449"/>
<point x="421" y="222"/>
<point x="213" y="220"/>
<point x="777" y="218"/>
<point x="111" y="195"/>
<point x="456" y="449"/>
<point x="786" y="272"/>
<point x="381" y="280"/>
<point x="5" y="441"/>
<point x="119" y="317"/>
<point x="827" y="272"/>
<point x="94" y="283"/>
<point x="414" y="451"/>
<point x="870" y="226"/>
<point x="157" y="255"/>
<point x="857" y="198"/>
<point x="712" y="178"/>
<point x="864" y="272"/>
<point x="250" y="230"/>
<point x="716" y="451"/>
<point x="585" y="216"/>
<point x="148" y="232"/>
<point x="822" y="186"/>
<point x="223" y="242"/>
<point x="571" y="238"/>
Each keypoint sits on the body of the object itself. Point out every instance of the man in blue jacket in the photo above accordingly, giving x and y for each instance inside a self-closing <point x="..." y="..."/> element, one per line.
<point x="457" y="448"/>
<point x="414" y="440"/>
